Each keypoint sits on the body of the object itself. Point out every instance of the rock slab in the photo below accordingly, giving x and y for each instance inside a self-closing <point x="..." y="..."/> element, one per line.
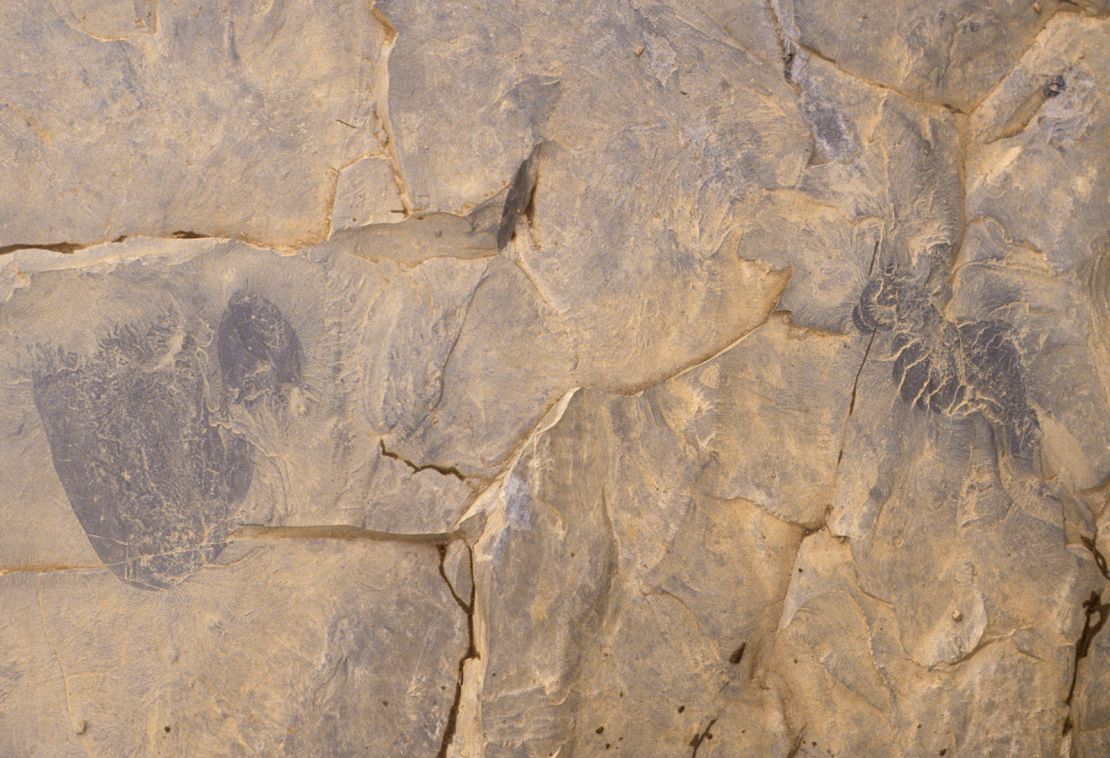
<point x="642" y="378"/>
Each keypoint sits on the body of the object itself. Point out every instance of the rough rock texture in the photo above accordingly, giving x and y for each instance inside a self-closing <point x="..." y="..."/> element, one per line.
<point x="701" y="378"/>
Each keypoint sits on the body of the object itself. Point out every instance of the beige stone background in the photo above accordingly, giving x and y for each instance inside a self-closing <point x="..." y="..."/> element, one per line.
<point x="602" y="377"/>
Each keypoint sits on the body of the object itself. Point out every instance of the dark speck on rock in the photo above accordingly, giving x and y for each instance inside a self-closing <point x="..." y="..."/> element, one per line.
<point x="1054" y="86"/>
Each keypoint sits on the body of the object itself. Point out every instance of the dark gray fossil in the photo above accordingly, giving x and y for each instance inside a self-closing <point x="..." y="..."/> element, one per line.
<point x="954" y="369"/>
<point x="260" y="354"/>
<point x="151" y="475"/>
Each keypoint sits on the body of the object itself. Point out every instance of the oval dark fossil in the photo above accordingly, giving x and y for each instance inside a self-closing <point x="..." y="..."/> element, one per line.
<point x="259" y="352"/>
<point x="148" y="474"/>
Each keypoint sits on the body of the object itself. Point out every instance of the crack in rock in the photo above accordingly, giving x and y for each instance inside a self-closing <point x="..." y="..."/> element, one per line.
<point x="471" y="649"/>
